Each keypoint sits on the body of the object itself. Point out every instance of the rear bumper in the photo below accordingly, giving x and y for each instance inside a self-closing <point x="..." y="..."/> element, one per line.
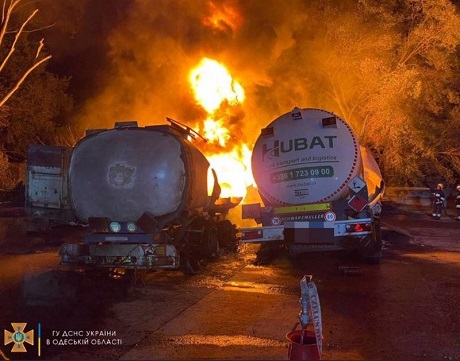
<point x="311" y="236"/>
<point x="129" y="256"/>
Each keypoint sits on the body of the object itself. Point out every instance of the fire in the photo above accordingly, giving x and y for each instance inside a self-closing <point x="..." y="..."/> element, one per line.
<point x="212" y="85"/>
<point x="215" y="89"/>
<point x="215" y="131"/>
<point x="222" y="18"/>
<point x="233" y="171"/>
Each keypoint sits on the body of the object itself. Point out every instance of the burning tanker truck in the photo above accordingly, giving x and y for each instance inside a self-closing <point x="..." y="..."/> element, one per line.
<point x="146" y="195"/>
<point x="321" y="190"/>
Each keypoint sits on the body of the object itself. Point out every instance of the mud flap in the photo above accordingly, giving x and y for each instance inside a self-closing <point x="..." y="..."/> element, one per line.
<point x="189" y="264"/>
<point x="373" y="253"/>
<point x="227" y="235"/>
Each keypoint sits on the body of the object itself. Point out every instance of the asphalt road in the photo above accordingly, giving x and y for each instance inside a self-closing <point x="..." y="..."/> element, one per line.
<point x="406" y="308"/>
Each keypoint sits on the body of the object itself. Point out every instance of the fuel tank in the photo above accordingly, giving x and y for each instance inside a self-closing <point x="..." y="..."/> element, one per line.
<point x="305" y="156"/>
<point x="122" y="173"/>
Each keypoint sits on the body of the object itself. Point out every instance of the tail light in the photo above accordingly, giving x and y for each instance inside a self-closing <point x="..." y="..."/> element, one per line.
<point x="251" y="234"/>
<point x="358" y="227"/>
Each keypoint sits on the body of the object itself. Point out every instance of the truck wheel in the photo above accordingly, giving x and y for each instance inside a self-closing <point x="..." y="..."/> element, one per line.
<point x="226" y="233"/>
<point x="189" y="263"/>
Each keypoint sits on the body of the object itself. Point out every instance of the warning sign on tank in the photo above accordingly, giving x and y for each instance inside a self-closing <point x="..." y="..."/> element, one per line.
<point x="357" y="203"/>
<point x="356" y="184"/>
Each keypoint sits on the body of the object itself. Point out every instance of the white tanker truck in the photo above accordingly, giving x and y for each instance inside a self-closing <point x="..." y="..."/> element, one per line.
<point x="321" y="190"/>
<point x="146" y="196"/>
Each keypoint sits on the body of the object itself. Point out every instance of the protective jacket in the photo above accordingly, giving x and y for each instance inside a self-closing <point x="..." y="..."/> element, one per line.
<point x="439" y="196"/>
<point x="438" y="202"/>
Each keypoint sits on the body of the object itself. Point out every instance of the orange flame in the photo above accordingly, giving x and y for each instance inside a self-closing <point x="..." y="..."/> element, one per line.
<point x="233" y="171"/>
<point x="214" y="88"/>
<point x="212" y="85"/>
<point x="222" y="18"/>
<point x="216" y="132"/>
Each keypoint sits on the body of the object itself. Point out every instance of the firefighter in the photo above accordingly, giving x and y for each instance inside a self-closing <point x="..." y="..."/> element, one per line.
<point x="457" y="203"/>
<point x="438" y="201"/>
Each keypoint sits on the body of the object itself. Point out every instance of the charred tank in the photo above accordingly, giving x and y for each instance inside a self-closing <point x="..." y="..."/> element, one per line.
<point x="146" y="196"/>
<point x="127" y="171"/>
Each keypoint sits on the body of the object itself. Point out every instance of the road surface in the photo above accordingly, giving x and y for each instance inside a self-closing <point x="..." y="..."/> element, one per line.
<point x="406" y="308"/>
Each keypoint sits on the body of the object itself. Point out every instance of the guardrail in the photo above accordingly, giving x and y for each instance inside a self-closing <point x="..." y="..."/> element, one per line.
<point x="418" y="196"/>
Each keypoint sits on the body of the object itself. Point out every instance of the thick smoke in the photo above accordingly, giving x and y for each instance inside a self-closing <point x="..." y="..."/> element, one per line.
<point x="139" y="54"/>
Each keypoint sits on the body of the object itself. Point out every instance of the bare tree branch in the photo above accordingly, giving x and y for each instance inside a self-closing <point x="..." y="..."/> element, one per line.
<point x="39" y="49"/>
<point x="18" y="35"/>
<point x="21" y="80"/>
<point x="6" y="16"/>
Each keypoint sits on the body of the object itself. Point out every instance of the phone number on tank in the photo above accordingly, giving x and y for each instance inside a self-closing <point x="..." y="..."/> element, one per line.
<point x="302" y="173"/>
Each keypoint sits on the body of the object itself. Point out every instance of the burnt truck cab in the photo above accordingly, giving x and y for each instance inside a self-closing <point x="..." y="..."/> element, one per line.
<point x="145" y="195"/>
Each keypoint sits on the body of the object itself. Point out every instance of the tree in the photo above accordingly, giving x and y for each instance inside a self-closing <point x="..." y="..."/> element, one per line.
<point x="418" y="98"/>
<point x="33" y="101"/>
<point x="9" y="26"/>
<point x="391" y="70"/>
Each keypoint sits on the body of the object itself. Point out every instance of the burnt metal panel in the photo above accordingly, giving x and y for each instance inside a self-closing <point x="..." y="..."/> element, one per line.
<point x="46" y="177"/>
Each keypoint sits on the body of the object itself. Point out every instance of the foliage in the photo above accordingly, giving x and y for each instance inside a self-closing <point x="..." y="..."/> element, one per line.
<point x="12" y="30"/>
<point x="408" y="114"/>
<point x="32" y="100"/>
<point x="391" y="69"/>
<point x="7" y="177"/>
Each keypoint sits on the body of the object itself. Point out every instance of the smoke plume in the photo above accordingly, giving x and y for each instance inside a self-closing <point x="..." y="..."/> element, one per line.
<point x="131" y="60"/>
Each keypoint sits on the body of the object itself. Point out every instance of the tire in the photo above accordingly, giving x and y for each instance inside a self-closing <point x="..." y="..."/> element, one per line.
<point x="189" y="263"/>
<point x="226" y="232"/>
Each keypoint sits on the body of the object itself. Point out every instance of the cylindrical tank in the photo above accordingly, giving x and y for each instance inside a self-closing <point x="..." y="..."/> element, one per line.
<point x="305" y="156"/>
<point x="121" y="173"/>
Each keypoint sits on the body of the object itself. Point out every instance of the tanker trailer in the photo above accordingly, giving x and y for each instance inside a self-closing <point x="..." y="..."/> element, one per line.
<point x="147" y="196"/>
<point x="321" y="190"/>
